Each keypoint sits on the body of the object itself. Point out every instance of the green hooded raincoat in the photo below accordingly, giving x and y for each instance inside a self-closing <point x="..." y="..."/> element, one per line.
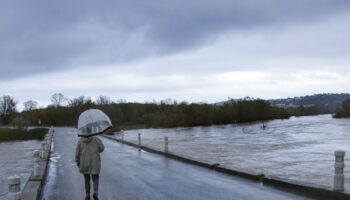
<point x="87" y="155"/>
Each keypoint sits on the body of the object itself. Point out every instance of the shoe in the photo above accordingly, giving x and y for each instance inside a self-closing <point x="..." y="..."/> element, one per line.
<point x="95" y="196"/>
<point x="87" y="197"/>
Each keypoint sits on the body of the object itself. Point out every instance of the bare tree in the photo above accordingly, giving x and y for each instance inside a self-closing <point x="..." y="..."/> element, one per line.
<point x="30" y="105"/>
<point x="81" y="100"/>
<point x="103" y="100"/>
<point x="168" y="101"/>
<point x="121" y="101"/>
<point x="57" y="99"/>
<point x="7" y="108"/>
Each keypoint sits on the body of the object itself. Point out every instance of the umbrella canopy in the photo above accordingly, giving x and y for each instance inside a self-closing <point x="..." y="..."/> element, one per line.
<point x="93" y="122"/>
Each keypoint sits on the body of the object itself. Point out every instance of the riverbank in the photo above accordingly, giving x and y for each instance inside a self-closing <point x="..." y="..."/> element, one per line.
<point x="7" y="134"/>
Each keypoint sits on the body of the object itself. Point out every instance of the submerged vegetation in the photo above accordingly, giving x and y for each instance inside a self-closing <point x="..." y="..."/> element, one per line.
<point x="344" y="111"/>
<point x="22" y="134"/>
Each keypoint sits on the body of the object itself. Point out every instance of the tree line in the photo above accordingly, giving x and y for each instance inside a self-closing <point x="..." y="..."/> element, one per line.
<point x="344" y="111"/>
<point x="308" y="110"/>
<point x="166" y="113"/>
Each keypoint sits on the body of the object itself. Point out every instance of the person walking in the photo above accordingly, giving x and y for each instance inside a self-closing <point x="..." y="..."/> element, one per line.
<point x="91" y="122"/>
<point x="87" y="157"/>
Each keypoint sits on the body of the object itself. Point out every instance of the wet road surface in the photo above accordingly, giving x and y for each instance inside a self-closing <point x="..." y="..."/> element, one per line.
<point x="130" y="174"/>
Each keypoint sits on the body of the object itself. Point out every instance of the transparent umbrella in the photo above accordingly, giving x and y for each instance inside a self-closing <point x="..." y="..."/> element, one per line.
<point x="93" y="122"/>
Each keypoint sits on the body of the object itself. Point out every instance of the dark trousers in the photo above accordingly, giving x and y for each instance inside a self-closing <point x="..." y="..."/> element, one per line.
<point x="94" y="178"/>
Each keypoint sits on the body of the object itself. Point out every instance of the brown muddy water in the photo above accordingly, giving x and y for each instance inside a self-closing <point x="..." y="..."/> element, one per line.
<point x="300" y="148"/>
<point x="16" y="158"/>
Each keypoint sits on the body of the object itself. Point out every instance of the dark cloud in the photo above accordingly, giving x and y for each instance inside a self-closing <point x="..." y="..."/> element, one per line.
<point x="41" y="36"/>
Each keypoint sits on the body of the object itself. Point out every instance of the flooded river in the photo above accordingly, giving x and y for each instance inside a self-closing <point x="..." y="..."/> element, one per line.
<point x="300" y="148"/>
<point x="16" y="158"/>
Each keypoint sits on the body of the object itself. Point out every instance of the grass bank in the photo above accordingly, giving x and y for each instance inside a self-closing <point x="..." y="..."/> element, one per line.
<point x="22" y="134"/>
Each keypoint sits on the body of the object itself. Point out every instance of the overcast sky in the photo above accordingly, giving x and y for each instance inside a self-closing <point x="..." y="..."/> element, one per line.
<point x="192" y="50"/>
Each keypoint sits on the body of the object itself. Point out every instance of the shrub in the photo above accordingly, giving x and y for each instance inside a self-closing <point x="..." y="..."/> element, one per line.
<point x="22" y="134"/>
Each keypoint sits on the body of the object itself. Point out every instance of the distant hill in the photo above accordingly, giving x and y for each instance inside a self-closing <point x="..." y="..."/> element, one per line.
<point x="328" y="102"/>
<point x="323" y="103"/>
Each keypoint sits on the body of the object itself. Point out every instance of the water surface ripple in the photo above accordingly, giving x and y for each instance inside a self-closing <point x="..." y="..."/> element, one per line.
<point x="300" y="148"/>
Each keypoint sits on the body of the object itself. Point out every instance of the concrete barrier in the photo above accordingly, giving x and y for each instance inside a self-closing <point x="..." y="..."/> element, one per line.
<point x="36" y="154"/>
<point x="36" y="168"/>
<point x="313" y="191"/>
<point x="339" y="171"/>
<point x="139" y="139"/>
<point x="14" y="183"/>
<point x="33" y="188"/>
<point x="166" y="143"/>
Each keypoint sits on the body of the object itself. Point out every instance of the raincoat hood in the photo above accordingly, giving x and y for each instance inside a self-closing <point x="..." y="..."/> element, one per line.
<point x="93" y="122"/>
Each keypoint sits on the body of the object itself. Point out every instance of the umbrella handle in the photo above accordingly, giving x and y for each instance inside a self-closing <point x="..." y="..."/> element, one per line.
<point x="99" y="133"/>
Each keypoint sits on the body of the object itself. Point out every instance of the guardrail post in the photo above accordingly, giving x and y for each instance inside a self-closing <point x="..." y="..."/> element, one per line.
<point x="339" y="170"/>
<point x="122" y="136"/>
<point x="36" y="154"/>
<point x="261" y="181"/>
<point x="47" y="146"/>
<point x="42" y="151"/>
<point x="44" y="148"/>
<point x="166" y="143"/>
<point x="36" y="167"/>
<point x="42" y="154"/>
<point x="139" y="139"/>
<point x="14" y="183"/>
